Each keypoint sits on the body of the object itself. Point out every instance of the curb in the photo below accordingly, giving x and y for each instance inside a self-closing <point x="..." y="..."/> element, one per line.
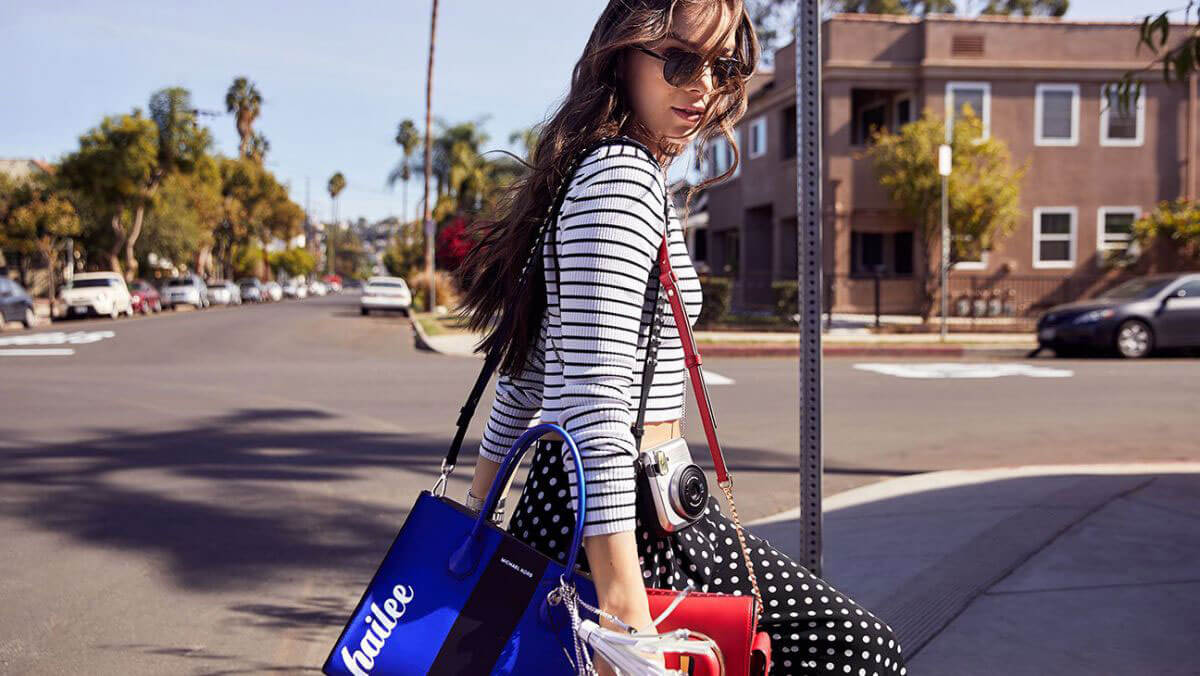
<point x="1004" y="352"/>
<point x="420" y="340"/>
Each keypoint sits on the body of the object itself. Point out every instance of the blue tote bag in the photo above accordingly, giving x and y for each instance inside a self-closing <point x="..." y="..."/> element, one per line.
<point x="458" y="595"/>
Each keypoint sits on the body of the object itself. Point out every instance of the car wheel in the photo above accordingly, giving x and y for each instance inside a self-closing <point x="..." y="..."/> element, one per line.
<point x="114" y="312"/>
<point x="365" y="311"/>
<point x="1134" y="339"/>
<point x="29" y="318"/>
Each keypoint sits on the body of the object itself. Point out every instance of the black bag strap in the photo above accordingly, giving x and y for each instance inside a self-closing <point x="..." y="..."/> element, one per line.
<point x="467" y="412"/>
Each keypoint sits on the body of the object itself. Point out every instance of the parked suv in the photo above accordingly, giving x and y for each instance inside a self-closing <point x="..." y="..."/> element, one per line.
<point x="252" y="290"/>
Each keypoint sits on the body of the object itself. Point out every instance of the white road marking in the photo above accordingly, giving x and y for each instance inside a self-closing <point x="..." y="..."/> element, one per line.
<point x="964" y="370"/>
<point x="57" y="338"/>
<point x="714" y="378"/>
<point x="38" y="352"/>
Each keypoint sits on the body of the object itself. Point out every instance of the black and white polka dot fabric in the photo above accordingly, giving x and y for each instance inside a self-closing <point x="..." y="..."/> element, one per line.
<point x="814" y="628"/>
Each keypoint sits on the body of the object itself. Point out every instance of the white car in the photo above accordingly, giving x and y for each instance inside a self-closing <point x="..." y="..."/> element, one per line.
<point x="295" y="288"/>
<point x="386" y="293"/>
<point x="274" y="291"/>
<point x="100" y="293"/>
<point x="317" y="288"/>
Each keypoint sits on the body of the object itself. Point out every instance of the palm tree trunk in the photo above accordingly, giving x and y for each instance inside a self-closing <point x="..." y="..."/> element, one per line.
<point x="430" y="293"/>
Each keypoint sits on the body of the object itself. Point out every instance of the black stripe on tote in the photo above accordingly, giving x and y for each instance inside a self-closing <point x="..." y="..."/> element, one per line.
<point x="492" y="611"/>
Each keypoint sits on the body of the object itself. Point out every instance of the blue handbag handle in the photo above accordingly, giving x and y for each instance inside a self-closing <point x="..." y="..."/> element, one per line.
<point x="465" y="558"/>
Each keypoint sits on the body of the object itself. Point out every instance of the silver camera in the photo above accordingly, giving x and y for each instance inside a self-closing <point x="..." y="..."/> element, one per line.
<point x="673" y="490"/>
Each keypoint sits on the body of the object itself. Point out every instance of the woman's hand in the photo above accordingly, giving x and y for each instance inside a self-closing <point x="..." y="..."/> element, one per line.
<point x="618" y="576"/>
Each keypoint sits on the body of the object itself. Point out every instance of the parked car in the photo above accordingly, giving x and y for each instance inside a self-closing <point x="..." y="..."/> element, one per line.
<point x="295" y="288"/>
<point x="185" y="290"/>
<point x="317" y="288"/>
<point x="15" y="304"/>
<point x="1134" y="318"/>
<point x="385" y="293"/>
<point x="145" y="297"/>
<point x="99" y="293"/>
<point x="224" y="292"/>
<point x="274" y="291"/>
<point x="252" y="290"/>
<point x="334" y="282"/>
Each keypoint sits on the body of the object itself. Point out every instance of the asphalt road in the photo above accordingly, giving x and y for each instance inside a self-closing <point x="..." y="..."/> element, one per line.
<point x="207" y="492"/>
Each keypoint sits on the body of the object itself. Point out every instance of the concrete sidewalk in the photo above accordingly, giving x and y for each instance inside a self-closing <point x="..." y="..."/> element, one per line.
<point x="1088" y="569"/>
<point x="840" y="342"/>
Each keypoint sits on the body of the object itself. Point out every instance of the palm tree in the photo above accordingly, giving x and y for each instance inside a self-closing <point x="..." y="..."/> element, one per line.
<point x="432" y="295"/>
<point x="407" y="138"/>
<point x="259" y="146"/>
<point x="337" y="183"/>
<point x="245" y="102"/>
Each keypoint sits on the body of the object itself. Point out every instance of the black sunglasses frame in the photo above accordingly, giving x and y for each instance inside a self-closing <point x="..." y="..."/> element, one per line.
<point x="688" y="66"/>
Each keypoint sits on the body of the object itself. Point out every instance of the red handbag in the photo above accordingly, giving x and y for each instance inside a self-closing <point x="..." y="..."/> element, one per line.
<point x="728" y="619"/>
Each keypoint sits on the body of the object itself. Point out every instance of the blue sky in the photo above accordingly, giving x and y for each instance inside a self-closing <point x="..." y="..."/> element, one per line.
<point x="336" y="77"/>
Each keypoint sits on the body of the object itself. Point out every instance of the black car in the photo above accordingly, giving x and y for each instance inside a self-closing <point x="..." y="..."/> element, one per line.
<point x="15" y="303"/>
<point x="1134" y="318"/>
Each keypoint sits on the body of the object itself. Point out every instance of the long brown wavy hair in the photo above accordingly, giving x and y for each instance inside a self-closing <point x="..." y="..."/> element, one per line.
<point x="596" y="107"/>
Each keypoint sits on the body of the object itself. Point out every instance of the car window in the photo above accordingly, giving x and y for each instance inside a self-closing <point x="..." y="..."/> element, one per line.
<point x="1190" y="289"/>
<point x="90" y="283"/>
<point x="1141" y="287"/>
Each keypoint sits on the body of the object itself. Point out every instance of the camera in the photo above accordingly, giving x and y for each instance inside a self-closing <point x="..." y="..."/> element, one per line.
<point x="673" y="490"/>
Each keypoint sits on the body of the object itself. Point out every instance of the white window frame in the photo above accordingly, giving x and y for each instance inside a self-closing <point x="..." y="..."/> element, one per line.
<point x="985" y="114"/>
<point x="980" y="264"/>
<point x="1072" y="238"/>
<point x="1100" y="234"/>
<point x="758" y="126"/>
<point x="896" y="111"/>
<point x="719" y="156"/>
<point x="1038" y="109"/>
<point x="1140" y="125"/>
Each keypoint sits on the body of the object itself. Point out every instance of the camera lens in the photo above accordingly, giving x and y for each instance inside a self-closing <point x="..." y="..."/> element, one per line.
<point x="692" y="491"/>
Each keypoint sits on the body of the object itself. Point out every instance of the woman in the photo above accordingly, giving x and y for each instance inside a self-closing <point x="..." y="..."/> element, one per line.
<point x="576" y="349"/>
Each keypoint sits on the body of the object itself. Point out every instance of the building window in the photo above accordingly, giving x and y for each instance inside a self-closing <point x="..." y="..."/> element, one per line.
<point x="977" y="95"/>
<point x="1114" y="231"/>
<point x="788" y="142"/>
<point x="903" y="111"/>
<point x="1054" y="237"/>
<point x="891" y="253"/>
<point x="870" y="118"/>
<point x="902" y="254"/>
<point x="700" y="244"/>
<point x="1056" y="115"/>
<point x="758" y="137"/>
<point x="1121" y="128"/>
<point x="973" y="262"/>
<point x="737" y="138"/>
<point x="720" y="156"/>
<point x="729" y="253"/>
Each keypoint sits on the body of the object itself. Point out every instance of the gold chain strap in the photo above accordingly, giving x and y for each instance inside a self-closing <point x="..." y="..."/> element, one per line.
<point x="727" y="489"/>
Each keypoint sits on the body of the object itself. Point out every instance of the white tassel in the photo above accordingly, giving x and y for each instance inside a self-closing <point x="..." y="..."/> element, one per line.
<point x="621" y="650"/>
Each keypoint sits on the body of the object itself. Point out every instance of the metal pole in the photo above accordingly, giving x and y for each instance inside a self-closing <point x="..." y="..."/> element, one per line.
<point x="809" y="275"/>
<point x="945" y="252"/>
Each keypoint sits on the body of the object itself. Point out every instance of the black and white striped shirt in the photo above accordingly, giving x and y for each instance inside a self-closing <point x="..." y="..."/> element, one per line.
<point x="588" y="376"/>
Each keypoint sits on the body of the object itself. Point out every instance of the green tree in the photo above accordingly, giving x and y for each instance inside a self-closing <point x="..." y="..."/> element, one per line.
<point x="40" y="222"/>
<point x="114" y="167"/>
<point x="405" y="252"/>
<point x="185" y="213"/>
<point x="295" y="262"/>
<point x="337" y="183"/>
<point x="984" y="188"/>
<point x="256" y="208"/>
<point x="1176" y="222"/>
<point x="407" y="138"/>
<point x="245" y="102"/>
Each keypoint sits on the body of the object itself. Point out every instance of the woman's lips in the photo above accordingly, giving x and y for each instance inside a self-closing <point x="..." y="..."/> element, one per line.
<point x="686" y="115"/>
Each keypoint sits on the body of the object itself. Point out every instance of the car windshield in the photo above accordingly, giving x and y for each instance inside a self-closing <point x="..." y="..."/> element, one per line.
<point x="1143" y="287"/>
<point x="179" y="282"/>
<point x="391" y="285"/>
<point x="91" y="283"/>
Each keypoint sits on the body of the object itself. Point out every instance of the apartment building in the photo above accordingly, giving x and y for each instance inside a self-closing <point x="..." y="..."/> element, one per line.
<point x="1037" y="85"/>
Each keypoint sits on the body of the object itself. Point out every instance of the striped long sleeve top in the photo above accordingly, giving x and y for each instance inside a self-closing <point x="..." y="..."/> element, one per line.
<point x="585" y="371"/>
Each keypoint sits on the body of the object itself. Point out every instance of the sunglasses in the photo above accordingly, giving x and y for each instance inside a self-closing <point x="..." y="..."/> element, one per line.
<point x="682" y="67"/>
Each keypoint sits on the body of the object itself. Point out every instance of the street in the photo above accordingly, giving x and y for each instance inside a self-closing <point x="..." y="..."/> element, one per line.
<point x="208" y="492"/>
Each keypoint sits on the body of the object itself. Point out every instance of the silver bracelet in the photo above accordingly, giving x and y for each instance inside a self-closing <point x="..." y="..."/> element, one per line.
<point x="475" y="503"/>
